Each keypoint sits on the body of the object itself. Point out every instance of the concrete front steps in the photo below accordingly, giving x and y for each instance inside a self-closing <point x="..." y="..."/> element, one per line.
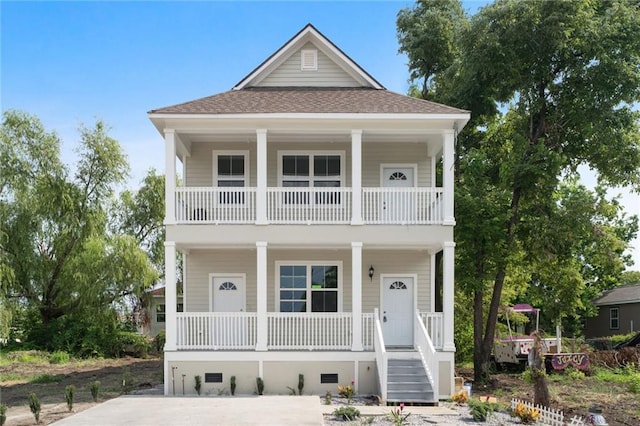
<point x="408" y="383"/>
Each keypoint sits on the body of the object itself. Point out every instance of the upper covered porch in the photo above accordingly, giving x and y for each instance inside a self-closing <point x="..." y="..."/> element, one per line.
<point x="314" y="173"/>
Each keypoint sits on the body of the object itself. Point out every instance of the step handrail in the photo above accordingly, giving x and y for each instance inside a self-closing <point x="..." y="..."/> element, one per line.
<point x="427" y="352"/>
<point x="381" y="355"/>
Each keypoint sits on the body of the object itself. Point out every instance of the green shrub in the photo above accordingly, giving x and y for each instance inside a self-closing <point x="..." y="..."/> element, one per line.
<point x="198" y="385"/>
<point x="28" y="357"/>
<point x="95" y="390"/>
<point x="527" y="376"/>
<point x="347" y="413"/>
<point x="159" y="341"/>
<point x="131" y="343"/>
<point x="34" y="406"/>
<point x="634" y="383"/>
<point x="574" y="374"/>
<point x="233" y="385"/>
<point x="59" y="357"/>
<point x="260" y="385"/>
<point x="3" y="414"/>
<point x="69" y="392"/>
<point x="480" y="410"/>
<point x="621" y="338"/>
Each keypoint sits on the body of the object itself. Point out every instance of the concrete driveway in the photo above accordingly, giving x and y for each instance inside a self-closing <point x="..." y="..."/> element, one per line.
<point x="176" y="411"/>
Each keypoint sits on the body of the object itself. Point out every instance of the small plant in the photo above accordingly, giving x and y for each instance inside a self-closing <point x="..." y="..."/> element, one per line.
<point x="292" y="391"/>
<point x="260" y="385"/>
<point x="347" y="413"/>
<point x="574" y="374"/>
<point x="95" y="390"/>
<point x="46" y="378"/>
<point x="59" y="357"/>
<point x="300" y="383"/>
<point x="69" y="391"/>
<point x="3" y="414"/>
<point x="34" y="406"/>
<point x="127" y="381"/>
<point x="398" y="417"/>
<point x="327" y="398"/>
<point x="634" y="383"/>
<point x="460" y="397"/>
<point x="527" y="376"/>
<point x="198" y="385"/>
<point x="233" y="385"/>
<point x="480" y="409"/>
<point x="347" y="391"/>
<point x="525" y="414"/>
<point x="221" y="391"/>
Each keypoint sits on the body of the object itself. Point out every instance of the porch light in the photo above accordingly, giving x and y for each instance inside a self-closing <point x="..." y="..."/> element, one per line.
<point x="371" y="271"/>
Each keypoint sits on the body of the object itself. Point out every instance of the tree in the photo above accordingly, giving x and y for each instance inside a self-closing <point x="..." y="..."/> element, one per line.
<point x="66" y="265"/>
<point x="630" y="278"/>
<point x="551" y="87"/>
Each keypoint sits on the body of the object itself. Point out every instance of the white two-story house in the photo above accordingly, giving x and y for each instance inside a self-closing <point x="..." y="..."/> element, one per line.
<point x="315" y="229"/>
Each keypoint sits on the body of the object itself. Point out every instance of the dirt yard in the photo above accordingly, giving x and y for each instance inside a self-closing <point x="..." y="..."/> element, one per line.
<point x="14" y="392"/>
<point x="574" y="397"/>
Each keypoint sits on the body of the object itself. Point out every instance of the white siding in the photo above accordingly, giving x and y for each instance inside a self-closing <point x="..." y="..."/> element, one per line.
<point x="375" y="154"/>
<point x="328" y="73"/>
<point x="201" y="263"/>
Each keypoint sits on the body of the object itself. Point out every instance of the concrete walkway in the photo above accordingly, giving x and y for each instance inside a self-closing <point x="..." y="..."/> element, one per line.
<point x="196" y="411"/>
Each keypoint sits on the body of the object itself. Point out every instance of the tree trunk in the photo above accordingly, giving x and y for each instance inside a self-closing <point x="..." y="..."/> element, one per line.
<point x="536" y="363"/>
<point x="478" y="325"/>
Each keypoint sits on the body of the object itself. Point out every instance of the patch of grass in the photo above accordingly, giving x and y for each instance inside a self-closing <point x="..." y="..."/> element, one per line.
<point x="28" y="357"/>
<point x="59" y="357"/>
<point x="47" y="378"/>
<point x="11" y="376"/>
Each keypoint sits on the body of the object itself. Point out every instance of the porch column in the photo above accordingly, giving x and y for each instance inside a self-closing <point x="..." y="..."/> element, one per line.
<point x="170" y="177"/>
<point x="356" y="295"/>
<point x="170" y="296"/>
<point x="356" y="177"/>
<point x="261" y="165"/>
<point x="185" y="253"/>
<point x="261" y="294"/>
<point x="448" y="141"/>
<point x="448" y="261"/>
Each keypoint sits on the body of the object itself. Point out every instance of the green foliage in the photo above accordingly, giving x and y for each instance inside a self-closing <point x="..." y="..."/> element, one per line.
<point x="527" y="376"/>
<point x="127" y="381"/>
<point x="574" y="374"/>
<point x="621" y="338"/>
<point x="95" y="390"/>
<point x="347" y="391"/>
<point x="131" y="343"/>
<point x="327" y="398"/>
<point x="398" y="418"/>
<point x="45" y="378"/>
<point x="260" y="385"/>
<point x="59" y="357"/>
<point x="159" y="341"/>
<point x="300" y="383"/>
<point x="233" y="385"/>
<point x="67" y="269"/>
<point x="347" y="413"/>
<point x="28" y="357"/>
<point x="198" y="385"/>
<point x="69" y="392"/>
<point x="480" y="410"/>
<point x="34" y="406"/>
<point x="3" y="414"/>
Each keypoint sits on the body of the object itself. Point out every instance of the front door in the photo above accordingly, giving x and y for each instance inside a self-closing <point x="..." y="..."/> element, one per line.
<point x="397" y="311"/>
<point x="228" y="294"/>
<point x="398" y="206"/>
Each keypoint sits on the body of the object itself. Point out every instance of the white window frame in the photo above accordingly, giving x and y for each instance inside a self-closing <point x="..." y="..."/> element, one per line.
<point x="244" y="153"/>
<point x="611" y="318"/>
<point x="308" y="264"/>
<point x="311" y="178"/>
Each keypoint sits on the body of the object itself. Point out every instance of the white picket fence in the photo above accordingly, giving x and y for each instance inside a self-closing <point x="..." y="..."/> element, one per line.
<point x="548" y="416"/>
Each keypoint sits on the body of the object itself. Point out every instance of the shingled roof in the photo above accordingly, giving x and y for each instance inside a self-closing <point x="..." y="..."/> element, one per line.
<point x="620" y="295"/>
<point x="273" y="100"/>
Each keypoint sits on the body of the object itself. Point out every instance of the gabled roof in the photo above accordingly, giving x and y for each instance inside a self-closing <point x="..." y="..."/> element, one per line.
<point x="620" y="296"/>
<point x="262" y="100"/>
<point x="308" y="34"/>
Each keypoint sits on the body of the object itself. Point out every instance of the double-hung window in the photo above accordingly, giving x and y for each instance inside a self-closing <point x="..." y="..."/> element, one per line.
<point x="311" y="169"/>
<point x="311" y="287"/>
<point x="231" y="171"/>
<point x="614" y="318"/>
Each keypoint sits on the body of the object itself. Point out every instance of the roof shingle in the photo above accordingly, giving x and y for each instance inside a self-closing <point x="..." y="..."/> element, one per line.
<point x="315" y="100"/>
<point x="627" y="294"/>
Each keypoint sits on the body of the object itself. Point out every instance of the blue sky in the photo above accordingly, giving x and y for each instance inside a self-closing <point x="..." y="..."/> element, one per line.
<point x="73" y="62"/>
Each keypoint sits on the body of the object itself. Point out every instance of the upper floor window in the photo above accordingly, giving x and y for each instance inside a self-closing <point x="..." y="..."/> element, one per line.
<point x="321" y="169"/>
<point x="614" y="318"/>
<point x="230" y="169"/>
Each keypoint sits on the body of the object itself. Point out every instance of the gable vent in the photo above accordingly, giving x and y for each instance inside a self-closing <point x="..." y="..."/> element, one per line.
<point x="309" y="60"/>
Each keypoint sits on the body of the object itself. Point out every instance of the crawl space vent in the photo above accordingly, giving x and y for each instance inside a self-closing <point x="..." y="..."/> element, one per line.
<point x="213" y="377"/>
<point x="329" y="378"/>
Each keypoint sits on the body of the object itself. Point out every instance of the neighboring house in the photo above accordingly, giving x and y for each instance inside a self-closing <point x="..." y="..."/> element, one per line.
<point x="158" y="313"/>
<point x="618" y="313"/>
<point x="315" y="239"/>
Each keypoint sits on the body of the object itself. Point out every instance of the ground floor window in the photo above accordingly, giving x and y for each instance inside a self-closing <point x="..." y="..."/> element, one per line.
<point x="308" y="287"/>
<point x="161" y="311"/>
<point x="614" y="318"/>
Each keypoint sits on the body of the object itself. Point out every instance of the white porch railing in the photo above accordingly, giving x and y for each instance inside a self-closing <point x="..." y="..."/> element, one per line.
<point x="230" y="205"/>
<point x="402" y="205"/>
<point x="216" y="330"/>
<point x="306" y="331"/>
<point x="215" y="205"/>
<point x="308" y="205"/>
<point x="368" y="330"/>
<point x="381" y="355"/>
<point x="426" y="350"/>
<point x="434" y="323"/>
